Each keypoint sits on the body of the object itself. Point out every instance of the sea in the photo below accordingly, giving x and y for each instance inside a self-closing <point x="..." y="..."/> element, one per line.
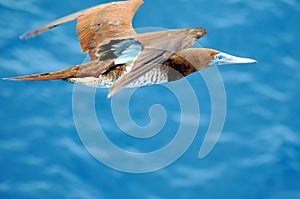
<point x="231" y="131"/>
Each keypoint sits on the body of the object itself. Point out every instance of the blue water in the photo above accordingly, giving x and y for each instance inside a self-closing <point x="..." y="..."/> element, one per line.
<point x="257" y="155"/>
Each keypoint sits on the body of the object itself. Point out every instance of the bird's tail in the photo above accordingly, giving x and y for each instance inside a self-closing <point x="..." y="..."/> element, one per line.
<point x="75" y="71"/>
<point x="59" y="75"/>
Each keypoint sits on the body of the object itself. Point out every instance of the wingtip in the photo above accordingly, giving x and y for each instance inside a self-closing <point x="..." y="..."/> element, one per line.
<point x="112" y="90"/>
<point x="23" y="36"/>
<point x="109" y="95"/>
<point x="26" y="35"/>
<point x="198" y="32"/>
<point x="203" y="31"/>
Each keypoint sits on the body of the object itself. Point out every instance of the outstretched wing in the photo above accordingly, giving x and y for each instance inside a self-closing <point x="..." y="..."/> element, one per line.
<point x="157" y="48"/>
<point x="99" y="23"/>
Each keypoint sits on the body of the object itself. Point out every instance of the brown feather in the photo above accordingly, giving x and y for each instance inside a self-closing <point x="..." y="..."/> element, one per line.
<point x="187" y="61"/>
<point x="98" y="24"/>
<point x="59" y="75"/>
<point x="158" y="47"/>
<point x="109" y="21"/>
<point x="90" y="69"/>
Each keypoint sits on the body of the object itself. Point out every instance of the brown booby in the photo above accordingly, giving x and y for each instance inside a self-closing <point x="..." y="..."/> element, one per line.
<point x="119" y="57"/>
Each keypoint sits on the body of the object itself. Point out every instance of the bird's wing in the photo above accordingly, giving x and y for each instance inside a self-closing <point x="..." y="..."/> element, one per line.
<point x="99" y="23"/>
<point x="157" y="48"/>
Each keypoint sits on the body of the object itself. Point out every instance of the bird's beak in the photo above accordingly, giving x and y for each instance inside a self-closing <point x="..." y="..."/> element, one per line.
<point x="223" y="58"/>
<point x="230" y="59"/>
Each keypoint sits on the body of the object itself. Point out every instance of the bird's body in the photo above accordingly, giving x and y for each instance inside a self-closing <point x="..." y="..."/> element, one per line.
<point x="156" y="75"/>
<point x="119" y="57"/>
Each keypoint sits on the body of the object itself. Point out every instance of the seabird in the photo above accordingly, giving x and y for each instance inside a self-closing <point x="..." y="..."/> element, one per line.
<point x="119" y="57"/>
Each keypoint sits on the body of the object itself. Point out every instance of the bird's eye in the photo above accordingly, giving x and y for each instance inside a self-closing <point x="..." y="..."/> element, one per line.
<point x="218" y="57"/>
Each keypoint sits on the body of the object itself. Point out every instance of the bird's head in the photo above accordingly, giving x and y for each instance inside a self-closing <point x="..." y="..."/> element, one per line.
<point x="200" y="58"/>
<point x="218" y="58"/>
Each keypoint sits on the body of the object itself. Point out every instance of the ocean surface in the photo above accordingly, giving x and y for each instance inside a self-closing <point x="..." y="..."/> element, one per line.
<point x="46" y="127"/>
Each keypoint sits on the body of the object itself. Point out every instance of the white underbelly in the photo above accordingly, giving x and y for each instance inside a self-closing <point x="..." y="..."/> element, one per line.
<point x="157" y="75"/>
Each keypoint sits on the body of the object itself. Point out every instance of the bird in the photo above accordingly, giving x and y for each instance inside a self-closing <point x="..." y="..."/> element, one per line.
<point x="119" y="57"/>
